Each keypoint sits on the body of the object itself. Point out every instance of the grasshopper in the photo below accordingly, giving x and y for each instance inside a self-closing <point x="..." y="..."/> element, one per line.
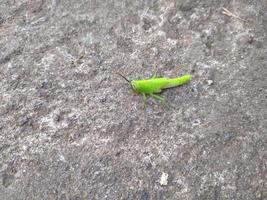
<point x="152" y="86"/>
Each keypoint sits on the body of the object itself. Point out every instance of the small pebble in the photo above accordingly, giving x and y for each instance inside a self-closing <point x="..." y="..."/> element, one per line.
<point x="164" y="179"/>
<point x="210" y="82"/>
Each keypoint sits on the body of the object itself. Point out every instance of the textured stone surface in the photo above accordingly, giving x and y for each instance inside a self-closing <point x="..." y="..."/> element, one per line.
<point x="71" y="129"/>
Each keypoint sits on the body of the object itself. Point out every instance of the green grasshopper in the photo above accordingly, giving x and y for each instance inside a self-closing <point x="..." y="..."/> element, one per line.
<point x="152" y="86"/>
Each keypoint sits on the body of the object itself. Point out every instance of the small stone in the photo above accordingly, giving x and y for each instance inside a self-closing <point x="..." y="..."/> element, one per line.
<point x="164" y="179"/>
<point x="227" y="136"/>
<point x="144" y="195"/>
<point x="7" y="179"/>
<point x="187" y="5"/>
<point x="210" y="82"/>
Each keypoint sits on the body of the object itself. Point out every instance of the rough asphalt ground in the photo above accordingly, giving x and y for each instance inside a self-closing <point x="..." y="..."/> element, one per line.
<point x="71" y="129"/>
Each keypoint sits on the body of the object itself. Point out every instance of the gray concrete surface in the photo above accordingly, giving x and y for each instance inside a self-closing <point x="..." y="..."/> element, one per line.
<point x="72" y="129"/>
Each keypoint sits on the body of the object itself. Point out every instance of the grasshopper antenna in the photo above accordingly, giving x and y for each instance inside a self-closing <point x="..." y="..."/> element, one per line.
<point x="123" y="77"/>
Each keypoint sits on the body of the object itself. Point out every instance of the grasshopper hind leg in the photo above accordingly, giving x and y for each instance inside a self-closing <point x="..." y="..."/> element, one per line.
<point x="159" y="98"/>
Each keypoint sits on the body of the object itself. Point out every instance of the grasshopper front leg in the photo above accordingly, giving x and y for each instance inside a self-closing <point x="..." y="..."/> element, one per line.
<point x="144" y="99"/>
<point x="154" y="75"/>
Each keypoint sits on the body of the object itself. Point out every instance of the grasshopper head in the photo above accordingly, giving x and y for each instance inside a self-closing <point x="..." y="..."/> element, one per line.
<point x="134" y="86"/>
<point x="130" y="82"/>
